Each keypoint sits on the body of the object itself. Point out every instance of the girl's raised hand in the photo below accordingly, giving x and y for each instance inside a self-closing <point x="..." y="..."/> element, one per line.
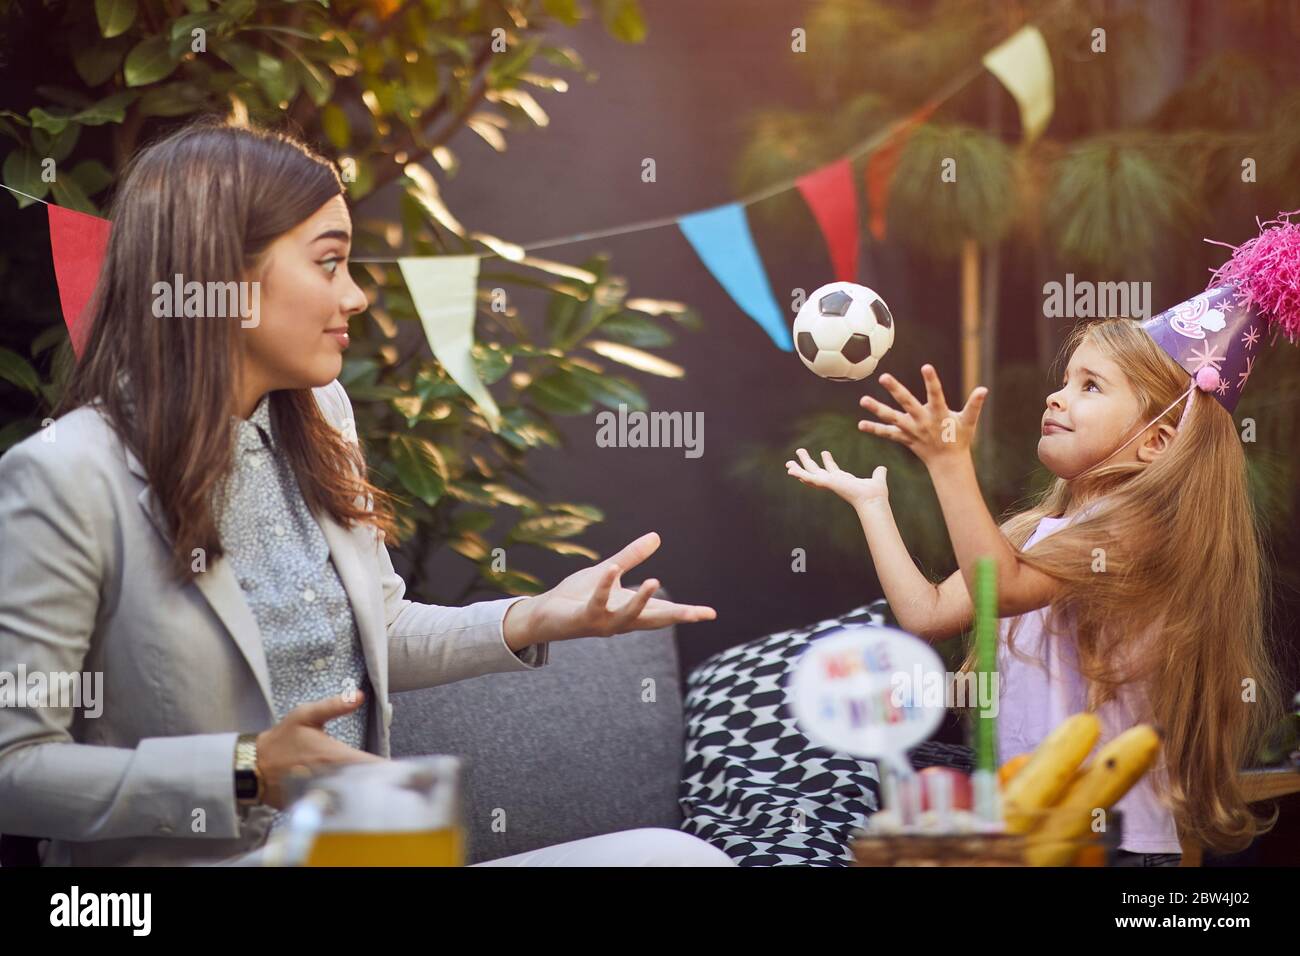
<point x="932" y="431"/>
<point x="856" y="491"/>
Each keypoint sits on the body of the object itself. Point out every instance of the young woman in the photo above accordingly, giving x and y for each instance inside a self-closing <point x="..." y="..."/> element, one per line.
<point x="197" y="527"/>
<point x="1170" y="629"/>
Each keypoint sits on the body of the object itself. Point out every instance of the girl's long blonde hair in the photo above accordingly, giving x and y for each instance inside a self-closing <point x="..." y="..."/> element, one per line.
<point x="1172" y="550"/>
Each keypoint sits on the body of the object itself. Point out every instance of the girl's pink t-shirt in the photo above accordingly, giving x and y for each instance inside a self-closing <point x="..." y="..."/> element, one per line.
<point x="1036" y="695"/>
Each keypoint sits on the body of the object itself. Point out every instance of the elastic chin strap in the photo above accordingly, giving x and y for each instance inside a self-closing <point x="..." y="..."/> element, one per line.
<point x="1186" y="408"/>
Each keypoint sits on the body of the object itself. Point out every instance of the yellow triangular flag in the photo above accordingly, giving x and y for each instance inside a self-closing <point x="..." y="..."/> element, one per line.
<point x="443" y="290"/>
<point x="1024" y="66"/>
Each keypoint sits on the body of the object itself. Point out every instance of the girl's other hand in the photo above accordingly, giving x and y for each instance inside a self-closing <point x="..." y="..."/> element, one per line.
<point x="932" y="431"/>
<point x="858" y="492"/>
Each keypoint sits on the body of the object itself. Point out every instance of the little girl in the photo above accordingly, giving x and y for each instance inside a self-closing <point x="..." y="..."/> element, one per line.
<point x="1134" y="587"/>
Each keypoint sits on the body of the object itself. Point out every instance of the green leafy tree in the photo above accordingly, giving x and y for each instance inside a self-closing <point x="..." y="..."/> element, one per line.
<point x="381" y="86"/>
<point x="1101" y="195"/>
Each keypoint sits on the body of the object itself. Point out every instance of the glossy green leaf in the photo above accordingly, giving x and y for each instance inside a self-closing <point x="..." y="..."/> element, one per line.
<point x="609" y="390"/>
<point x="22" y="171"/>
<point x="173" y="99"/>
<point x="18" y="371"/>
<point x="422" y="81"/>
<point x="50" y="337"/>
<point x="52" y="123"/>
<point x="475" y="521"/>
<point x="69" y="194"/>
<point x="57" y="147"/>
<point x="92" y="176"/>
<point x="471" y="546"/>
<point x="567" y="548"/>
<point x="420" y="467"/>
<point x="590" y="512"/>
<point x="96" y="61"/>
<point x="490" y="362"/>
<point x="149" y="61"/>
<point x="560" y="393"/>
<point x="115" y="16"/>
<point x="111" y="109"/>
<point x="318" y="83"/>
<point x="504" y="494"/>
<point x="335" y="124"/>
<point x="472" y="492"/>
<point x="566" y="11"/>
<point x="562" y="312"/>
<point x="239" y="9"/>
<point x="623" y="20"/>
<point x="515" y="582"/>
<point x="631" y="328"/>
<point x="545" y="527"/>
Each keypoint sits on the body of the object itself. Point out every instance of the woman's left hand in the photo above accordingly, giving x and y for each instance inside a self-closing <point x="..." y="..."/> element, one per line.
<point x="592" y="603"/>
<point x="931" y="430"/>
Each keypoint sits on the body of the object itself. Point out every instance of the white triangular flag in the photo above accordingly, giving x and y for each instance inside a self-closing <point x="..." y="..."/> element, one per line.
<point x="443" y="289"/>
<point x="1024" y="66"/>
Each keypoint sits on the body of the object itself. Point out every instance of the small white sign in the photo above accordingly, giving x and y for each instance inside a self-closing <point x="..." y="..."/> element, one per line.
<point x="855" y="692"/>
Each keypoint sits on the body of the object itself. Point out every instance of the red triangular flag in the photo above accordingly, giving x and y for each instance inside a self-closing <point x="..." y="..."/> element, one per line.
<point x="830" y="195"/>
<point x="881" y="165"/>
<point x="78" y="244"/>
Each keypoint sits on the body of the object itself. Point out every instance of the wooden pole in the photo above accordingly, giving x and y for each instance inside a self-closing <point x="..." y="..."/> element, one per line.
<point x="970" y="320"/>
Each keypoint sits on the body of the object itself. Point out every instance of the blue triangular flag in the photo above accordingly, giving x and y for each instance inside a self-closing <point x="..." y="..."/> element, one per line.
<point x="722" y="240"/>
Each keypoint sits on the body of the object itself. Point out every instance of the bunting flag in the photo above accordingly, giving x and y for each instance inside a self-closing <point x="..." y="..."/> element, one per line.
<point x="881" y="166"/>
<point x="830" y="194"/>
<point x="722" y="240"/>
<point x="1024" y="66"/>
<point x="443" y="289"/>
<point x="78" y="244"/>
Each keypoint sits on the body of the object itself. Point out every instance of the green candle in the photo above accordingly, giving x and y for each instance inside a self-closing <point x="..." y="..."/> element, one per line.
<point x="986" y="648"/>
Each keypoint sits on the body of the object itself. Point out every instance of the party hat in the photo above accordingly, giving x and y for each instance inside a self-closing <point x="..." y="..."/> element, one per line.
<point x="1217" y="335"/>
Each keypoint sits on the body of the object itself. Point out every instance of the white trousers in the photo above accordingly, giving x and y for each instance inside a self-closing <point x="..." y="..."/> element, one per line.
<point x="647" y="846"/>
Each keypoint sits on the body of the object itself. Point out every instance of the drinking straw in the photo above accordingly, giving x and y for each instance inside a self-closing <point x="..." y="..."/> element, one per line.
<point x="986" y="758"/>
<point x="986" y="635"/>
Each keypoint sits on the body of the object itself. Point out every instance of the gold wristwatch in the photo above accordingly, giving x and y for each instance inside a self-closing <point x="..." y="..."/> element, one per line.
<point x="249" y="787"/>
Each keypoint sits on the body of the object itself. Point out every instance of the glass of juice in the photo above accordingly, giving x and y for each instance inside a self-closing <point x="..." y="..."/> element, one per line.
<point x="396" y="813"/>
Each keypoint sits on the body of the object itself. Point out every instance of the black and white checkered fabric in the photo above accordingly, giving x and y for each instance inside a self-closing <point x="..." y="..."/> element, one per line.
<point x="753" y="785"/>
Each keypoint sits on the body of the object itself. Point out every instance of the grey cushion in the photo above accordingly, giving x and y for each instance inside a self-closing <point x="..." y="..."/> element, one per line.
<point x="565" y="752"/>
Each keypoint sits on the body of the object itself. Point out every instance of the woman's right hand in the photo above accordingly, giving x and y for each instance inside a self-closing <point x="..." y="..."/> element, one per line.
<point x="300" y="741"/>
<point x="858" y="492"/>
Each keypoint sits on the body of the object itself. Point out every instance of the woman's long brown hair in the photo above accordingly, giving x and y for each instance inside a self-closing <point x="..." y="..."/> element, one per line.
<point x="204" y="203"/>
<point x="1179" y="609"/>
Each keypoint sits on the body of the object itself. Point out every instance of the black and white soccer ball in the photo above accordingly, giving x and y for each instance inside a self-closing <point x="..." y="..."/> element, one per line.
<point x="843" y="331"/>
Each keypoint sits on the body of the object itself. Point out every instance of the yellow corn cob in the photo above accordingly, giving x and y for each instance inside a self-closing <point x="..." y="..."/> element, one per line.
<point x="1049" y="771"/>
<point x="1112" y="773"/>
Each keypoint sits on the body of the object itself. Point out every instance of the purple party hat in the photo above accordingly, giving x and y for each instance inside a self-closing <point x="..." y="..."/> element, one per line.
<point x="1217" y="335"/>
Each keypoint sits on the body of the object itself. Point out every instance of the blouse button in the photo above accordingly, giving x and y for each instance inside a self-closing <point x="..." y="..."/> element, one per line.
<point x="319" y="663"/>
<point x="279" y="530"/>
<point x="248" y="584"/>
<point x="309" y="595"/>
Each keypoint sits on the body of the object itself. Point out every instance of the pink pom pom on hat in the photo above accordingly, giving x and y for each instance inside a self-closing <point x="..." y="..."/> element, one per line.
<point x="1216" y="336"/>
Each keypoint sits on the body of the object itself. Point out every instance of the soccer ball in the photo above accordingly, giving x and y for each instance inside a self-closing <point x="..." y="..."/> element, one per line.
<point x="842" y="331"/>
